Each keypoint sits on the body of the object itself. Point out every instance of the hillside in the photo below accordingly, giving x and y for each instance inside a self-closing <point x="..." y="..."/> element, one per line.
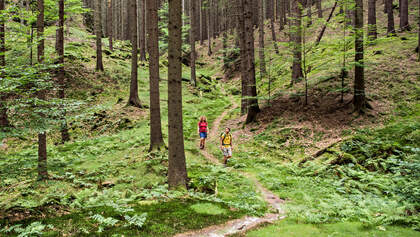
<point x="301" y="169"/>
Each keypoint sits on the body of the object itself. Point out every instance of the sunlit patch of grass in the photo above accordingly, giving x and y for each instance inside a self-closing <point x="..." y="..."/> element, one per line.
<point x="296" y="229"/>
<point x="208" y="209"/>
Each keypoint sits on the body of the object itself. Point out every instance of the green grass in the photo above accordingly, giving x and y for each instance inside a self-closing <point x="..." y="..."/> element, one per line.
<point x="163" y="219"/>
<point x="295" y="229"/>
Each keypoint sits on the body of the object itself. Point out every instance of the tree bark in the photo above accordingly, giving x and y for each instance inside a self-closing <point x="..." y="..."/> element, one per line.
<point x="209" y="29"/>
<point x="133" y="100"/>
<point x="243" y="56"/>
<point x="177" y="173"/>
<point x="156" y="138"/>
<point x="359" y="99"/>
<point x="4" y="121"/>
<point x="261" y="52"/>
<point x="372" y="32"/>
<point x="296" y="40"/>
<point x="282" y="15"/>
<point x="128" y="20"/>
<point x="2" y="37"/>
<point x="110" y="28"/>
<point x="253" y="108"/>
<point x="390" y="13"/>
<point x="142" y="34"/>
<point x="202" y="19"/>
<point x="98" y="31"/>
<point x="309" y="6"/>
<point x="42" y="137"/>
<point x="65" y="136"/>
<point x="418" y="38"/>
<point x="319" y="8"/>
<point x="273" y="36"/>
<point x="192" y="42"/>
<point x="404" y="25"/>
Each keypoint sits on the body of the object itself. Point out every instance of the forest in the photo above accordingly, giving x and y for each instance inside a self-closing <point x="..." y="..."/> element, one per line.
<point x="257" y="118"/>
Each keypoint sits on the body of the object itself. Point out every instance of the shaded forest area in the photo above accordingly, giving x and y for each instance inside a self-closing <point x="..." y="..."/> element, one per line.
<point x="100" y="101"/>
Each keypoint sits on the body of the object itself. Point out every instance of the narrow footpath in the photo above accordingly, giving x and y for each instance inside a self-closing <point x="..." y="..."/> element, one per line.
<point x="246" y="223"/>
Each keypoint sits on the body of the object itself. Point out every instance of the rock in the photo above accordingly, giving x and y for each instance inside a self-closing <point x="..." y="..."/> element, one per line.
<point x="107" y="184"/>
<point x="204" y="79"/>
<point x="378" y="52"/>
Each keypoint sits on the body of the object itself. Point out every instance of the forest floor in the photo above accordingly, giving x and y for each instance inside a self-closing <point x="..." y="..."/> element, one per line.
<point x="364" y="182"/>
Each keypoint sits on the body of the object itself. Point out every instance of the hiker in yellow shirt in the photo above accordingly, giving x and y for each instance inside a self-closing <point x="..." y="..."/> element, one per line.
<point x="227" y="146"/>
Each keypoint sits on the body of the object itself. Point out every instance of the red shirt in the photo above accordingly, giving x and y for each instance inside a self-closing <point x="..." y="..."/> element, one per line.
<point x="202" y="126"/>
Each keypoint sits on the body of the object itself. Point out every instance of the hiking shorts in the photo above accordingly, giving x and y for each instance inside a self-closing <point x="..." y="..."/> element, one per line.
<point x="227" y="151"/>
<point x="203" y="135"/>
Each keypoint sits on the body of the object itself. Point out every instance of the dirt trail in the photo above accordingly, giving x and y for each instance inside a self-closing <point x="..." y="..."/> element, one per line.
<point x="246" y="223"/>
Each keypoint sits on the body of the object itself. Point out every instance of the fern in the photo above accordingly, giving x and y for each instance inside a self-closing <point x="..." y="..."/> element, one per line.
<point x="34" y="229"/>
<point x="137" y="221"/>
<point x="104" y="222"/>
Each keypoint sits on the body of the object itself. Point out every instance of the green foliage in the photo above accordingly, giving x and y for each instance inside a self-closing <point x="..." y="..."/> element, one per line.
<point x="164" y="31"/>
<point x="34" y="229"/>
<point x="136" y="220"/>
<point x="104" y="222"/>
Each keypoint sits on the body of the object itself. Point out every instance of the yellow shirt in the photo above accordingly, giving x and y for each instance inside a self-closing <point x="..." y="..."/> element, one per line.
<point x="227" y="139"/>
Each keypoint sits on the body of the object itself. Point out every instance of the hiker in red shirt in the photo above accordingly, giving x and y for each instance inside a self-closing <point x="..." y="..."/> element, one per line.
<point x="203" y="130"/>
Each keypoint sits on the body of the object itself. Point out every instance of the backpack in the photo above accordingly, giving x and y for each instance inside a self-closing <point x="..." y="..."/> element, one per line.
<point x="223" y="139"/>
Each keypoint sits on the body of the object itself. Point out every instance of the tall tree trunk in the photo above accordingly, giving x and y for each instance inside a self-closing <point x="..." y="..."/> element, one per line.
<point x="253" y="108"/>
<point x="42" y="137"/>
<point x="128" y="20"/>
<point x="65" y="136"/>
<point x="418" y="45"/>
<point x="404" y="16"/>
<point x="98" y="31"/>
<point x="2" y="36"/>
<point x="319" y="8"/>
<point x="202" y="19"/>
<point x="104" y="13"/>
<point x="225" y="36"/>
<point x="309" y="6"/>
<point x="282" y="15"/>
<point x="243" y="56"/>
<point x="156" y="138"/>
<point x="372" y="32"/>
<point x="273" y="36"/>
<point x="209" y="29"/>
<point x="359" y="80"/>
<point x="390" y="13"/>
<point x="134" y="100"/>
<point x="110" y="28"/>
<point x="142" y="35"/>
<point x="261" y="52"/>
<point x="192" y="42"/>
<point x="4" y="121"/>
<point x="177" y="173"/>
<point x="296" y="39"/>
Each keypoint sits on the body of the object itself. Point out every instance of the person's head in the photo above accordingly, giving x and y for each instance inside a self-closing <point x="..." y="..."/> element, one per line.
<point x="227" y="130"/>
<point x="203" y="119"/>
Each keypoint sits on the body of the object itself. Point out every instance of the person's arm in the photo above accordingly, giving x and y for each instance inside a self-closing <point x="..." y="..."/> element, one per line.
<point x="221" y="142"/>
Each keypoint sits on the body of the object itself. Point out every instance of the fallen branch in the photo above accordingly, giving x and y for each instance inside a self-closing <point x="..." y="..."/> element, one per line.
<point x="321" y="34"/>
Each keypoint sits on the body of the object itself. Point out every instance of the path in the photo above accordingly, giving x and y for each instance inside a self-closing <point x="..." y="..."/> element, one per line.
<point x="246" y="223"/>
